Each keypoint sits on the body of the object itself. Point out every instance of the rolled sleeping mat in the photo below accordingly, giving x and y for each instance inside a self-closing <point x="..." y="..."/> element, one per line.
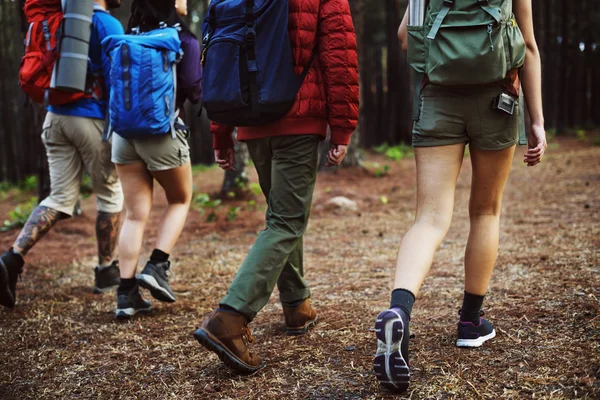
<point x="70" y="71"/>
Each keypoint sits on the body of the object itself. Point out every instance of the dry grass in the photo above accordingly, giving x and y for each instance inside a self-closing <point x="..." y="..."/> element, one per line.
<point x="61" y="341"/>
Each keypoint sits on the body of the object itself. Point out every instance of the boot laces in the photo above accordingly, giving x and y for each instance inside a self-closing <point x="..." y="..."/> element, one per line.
<point x="248" y="338"/>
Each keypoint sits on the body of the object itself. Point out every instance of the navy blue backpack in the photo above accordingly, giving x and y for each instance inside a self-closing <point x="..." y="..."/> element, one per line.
<point x="143" y="82"/>
<point x="248" y="76"/>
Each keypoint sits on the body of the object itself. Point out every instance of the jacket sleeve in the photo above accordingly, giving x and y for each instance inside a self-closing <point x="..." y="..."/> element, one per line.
<point x="222" y="138"/>
<point x="339" y="60"/>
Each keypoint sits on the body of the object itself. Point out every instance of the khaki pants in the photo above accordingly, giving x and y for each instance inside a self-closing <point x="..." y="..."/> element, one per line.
<point x="72" y="144"/>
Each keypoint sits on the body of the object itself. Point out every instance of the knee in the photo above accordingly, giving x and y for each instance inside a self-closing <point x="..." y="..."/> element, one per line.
<point x="137" y="214"/>
<point x="436" y="222"/>
<point x="181" y="197"/>
<point x="487" y="209"/>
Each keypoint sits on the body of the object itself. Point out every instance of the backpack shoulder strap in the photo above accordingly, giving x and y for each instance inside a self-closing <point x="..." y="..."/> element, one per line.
<point x="316" y="48"/>
<point x="446" y="6"/>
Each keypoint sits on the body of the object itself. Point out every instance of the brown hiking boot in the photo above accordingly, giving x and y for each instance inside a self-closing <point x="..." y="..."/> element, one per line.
<point x="299" y="319"/>
<point x="227" y="334"/>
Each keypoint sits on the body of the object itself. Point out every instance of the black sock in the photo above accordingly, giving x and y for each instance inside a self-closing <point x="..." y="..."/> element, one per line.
<point x="471" y="308"/>
<point x="126" y="285"/>
<point x="227" y="309"/>
<point x="404" y="299"/>
<point x="294" y="303"/>
<point x="159" y="256"/>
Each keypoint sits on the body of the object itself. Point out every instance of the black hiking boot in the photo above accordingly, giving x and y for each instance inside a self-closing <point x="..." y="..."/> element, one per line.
<point x="155" y="278"/>
<point x="11" y="267"/>
<point x="131" y="303"/>
<point x="106" y="278"/>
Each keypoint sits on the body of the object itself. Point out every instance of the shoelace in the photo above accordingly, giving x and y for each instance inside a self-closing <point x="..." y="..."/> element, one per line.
<point x="168" y="272"/>
<point x="248" y="338"/>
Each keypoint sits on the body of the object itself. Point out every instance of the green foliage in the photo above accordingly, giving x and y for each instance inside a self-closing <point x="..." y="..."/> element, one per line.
<point x="87" y="188"/>
<point x="29" y="184"/>
<point x="255" y="188"/>
<point x="394" y="153"/>
<point x="233" y="213"/>
<point x="18" y="216"/>
<point x="203" y="202"/>
<point x="203" y="168"/>
<point x="382" y="171"/>
<point x="550" y="135"/>
<point x="580" y="133"/>
<point x="596" y="141"/>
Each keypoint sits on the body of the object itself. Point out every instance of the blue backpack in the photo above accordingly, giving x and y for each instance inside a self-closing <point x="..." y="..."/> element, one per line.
<point x="248" y="76"/>
<point x="143" y="82"/>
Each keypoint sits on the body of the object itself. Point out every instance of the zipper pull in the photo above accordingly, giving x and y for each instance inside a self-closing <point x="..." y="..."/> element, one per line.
<point x="489" y="31"/>
<point x="203" y="57"/>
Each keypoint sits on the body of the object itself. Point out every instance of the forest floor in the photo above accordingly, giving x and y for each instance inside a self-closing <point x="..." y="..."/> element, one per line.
<point x="62" y="341"/>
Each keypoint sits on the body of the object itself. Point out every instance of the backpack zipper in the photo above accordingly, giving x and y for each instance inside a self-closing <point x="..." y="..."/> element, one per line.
<point x="489" y="31"/>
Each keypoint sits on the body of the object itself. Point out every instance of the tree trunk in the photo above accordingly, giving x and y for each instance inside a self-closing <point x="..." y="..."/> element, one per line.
<point x="235" y="182"/>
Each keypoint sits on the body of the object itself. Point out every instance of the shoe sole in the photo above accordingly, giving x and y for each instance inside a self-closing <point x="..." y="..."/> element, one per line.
<point x="302" y="330"/>
<point x="6" y="297"/>
<point x="98" y="290"/>
<point x="158" y="292"/>
<point x="475" y="342"/>
<point x="391" y="369"/>
<point x="126" y="313"/>
<point x="211" y="343"/>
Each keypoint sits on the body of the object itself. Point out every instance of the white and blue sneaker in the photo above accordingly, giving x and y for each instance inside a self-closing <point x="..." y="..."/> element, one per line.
<point x="391" y="361"/>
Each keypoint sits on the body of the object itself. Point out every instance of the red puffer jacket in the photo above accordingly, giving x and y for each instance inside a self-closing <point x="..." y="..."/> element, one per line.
<point x="329" y="94"/>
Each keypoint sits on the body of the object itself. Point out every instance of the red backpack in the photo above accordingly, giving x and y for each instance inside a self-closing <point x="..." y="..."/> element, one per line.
<point x="41" y="52"/>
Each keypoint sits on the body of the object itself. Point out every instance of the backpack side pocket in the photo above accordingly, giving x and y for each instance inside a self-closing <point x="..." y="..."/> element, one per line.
<point x="416" y="48"/>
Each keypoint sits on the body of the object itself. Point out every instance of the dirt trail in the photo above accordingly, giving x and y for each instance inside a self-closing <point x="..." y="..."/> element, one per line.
<point x="62" y="342"/>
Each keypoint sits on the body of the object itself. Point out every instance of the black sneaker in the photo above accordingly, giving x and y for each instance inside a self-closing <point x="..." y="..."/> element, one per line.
<point x="11" y="267"/>
<point x="155" y="278"/>
<point x="106" y="278"/>
<point x="471" y="335"/>
<point x="391" y="361"/>
<point x="131" y="303"/>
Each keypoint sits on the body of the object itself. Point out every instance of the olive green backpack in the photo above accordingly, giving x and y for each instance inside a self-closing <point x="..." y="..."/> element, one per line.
<point x="465" y="42"/>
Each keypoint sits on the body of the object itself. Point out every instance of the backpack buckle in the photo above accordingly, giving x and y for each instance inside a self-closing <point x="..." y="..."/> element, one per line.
<point x="449" y="3"/>
<point x="251" y="34"/>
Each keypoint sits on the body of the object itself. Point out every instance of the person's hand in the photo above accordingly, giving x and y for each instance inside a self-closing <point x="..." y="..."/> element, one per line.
<point x="336" y="154"/>
<point x="536" y="145"/>
<point x="224" y="158"/>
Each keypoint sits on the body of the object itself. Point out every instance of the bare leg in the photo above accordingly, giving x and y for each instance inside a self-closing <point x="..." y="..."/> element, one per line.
<point x="437" y="172"/>
<point x="177" y="183"/>
<point x="41" y="220"/>
<point x="137" y="190"/>
<point x="107" y="230"/>
<point x="490" y="172"/>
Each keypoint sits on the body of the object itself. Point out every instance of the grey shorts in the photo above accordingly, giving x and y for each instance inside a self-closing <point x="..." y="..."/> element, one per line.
<point x="159" y="153"/>
<point x="451" y="116"/>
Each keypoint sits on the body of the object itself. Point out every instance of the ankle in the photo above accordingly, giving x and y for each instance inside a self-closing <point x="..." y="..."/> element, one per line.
<point x="126" y="285"/>
<point x="159" y="256"/>
<point x="471" y="308"/>
<point x="403" y="299"/>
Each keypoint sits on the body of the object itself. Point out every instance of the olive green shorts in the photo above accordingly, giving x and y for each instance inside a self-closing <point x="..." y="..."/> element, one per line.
<point x="159" y="153"/>
<point x="464" y="115"/>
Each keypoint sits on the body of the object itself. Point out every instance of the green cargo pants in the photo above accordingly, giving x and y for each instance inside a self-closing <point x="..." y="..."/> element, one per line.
<point x="287" y="171"/>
